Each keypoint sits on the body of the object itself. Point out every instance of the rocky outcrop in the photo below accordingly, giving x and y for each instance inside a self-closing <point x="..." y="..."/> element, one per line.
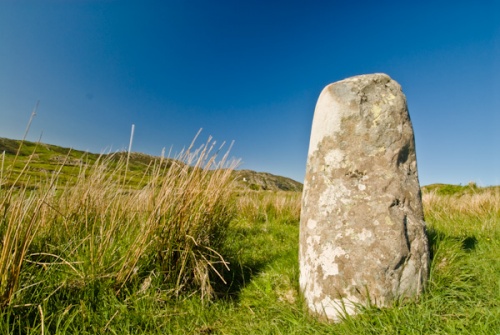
<point x="247" y="179"/>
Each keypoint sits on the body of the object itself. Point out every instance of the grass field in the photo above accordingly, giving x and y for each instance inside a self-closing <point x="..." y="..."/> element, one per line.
<point x="171" y="248"/>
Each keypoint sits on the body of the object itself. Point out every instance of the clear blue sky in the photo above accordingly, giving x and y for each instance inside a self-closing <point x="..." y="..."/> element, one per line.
<point x="250" y="71"/>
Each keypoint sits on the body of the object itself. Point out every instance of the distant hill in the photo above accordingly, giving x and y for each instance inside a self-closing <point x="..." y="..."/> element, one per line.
<point x="265" y="181"/>
<point x="46" y="158"/>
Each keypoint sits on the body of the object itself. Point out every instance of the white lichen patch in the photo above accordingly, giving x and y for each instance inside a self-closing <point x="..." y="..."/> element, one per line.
<point x="365" y="235"/>
<point x="311" y="240"/>
<point x="335" y="309"/>
<point x="334" y="159"/>
<point x="334" y="193"/>
<point x="330" y="269"/>
<point x="327" y="262"/>
<point x="309" y="279"/>
<point x="311" y="224"/>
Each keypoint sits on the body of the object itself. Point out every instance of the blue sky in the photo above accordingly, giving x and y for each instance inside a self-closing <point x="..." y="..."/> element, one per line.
<point x="250" y="71"/>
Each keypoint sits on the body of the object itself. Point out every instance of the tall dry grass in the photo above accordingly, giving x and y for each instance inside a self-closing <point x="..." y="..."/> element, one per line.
<point x="464" y="214"/>
<point x="18" y="225"/>
<point x="20" y="211"/>
<point x="266" y="206"/>
<point x="97" y="228"/>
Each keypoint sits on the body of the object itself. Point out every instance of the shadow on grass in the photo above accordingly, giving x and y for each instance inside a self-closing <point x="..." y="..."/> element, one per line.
<point x="239" y="275"/>
<point x="467" y="243"/>
<point x="248" y="252"/>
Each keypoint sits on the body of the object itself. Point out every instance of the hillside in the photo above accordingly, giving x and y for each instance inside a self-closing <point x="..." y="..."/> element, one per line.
<point x="47" y="158"/>
<point x="265" y="181"/>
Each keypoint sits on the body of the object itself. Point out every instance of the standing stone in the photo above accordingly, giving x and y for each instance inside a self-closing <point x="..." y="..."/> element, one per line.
<point x="362" y="229"/>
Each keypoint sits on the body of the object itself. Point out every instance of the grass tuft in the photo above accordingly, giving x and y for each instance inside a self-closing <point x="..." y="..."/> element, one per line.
<point x="96" y="231"/>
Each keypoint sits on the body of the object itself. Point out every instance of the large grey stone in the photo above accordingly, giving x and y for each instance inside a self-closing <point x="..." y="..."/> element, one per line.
<point x="362" y="233"/>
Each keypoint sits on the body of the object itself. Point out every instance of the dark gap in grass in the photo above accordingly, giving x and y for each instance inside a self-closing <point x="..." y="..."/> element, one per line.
<point x="434" y="237"/>
<point x="469" y="243"/>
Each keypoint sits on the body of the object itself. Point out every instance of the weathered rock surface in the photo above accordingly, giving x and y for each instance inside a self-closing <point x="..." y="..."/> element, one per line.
<point x="362" y="234"/>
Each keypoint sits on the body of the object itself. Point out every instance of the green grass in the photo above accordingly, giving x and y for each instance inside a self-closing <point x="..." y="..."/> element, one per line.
<point x="261" y="295"/>
<point x="463" y="295"/>
<point x="97" y="256"/>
